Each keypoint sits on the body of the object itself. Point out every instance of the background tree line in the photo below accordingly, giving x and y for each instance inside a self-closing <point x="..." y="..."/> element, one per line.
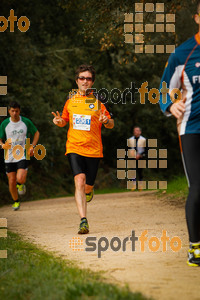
<point x="40" y="67"/>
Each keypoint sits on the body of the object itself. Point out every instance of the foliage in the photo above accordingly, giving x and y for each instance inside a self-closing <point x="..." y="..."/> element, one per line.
<point x="40" y="67"/>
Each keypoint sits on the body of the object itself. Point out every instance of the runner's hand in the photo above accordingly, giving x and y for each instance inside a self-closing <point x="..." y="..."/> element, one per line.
<point x="57" y="118"/>
<point x="31" y="151"/>
<point x="7" y="144"/>
<point x="102" y="118"/>
<point x="178" y="108"/>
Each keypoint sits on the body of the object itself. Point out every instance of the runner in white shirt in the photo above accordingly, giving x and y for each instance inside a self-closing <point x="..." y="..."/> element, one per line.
<point x="14" y="131"/>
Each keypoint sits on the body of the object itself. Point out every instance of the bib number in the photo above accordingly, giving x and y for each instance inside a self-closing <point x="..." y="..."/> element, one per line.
<point x="81" y="122"/>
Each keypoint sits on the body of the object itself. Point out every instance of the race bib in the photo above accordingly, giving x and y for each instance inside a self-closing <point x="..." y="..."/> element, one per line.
<point x="81" y="122"/>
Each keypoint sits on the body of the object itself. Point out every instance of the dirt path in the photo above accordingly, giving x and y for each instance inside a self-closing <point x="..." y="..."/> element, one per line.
<point x="162" y="275"/>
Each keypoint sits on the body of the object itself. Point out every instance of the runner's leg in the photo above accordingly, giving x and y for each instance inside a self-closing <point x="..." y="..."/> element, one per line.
<point x="12" y="185"/>
<point x="84" y="170"/>
<point x="21" y="176"/>
<point x="88" y="188"/>
<point x="80" y="197"/>
<point x="140" y="174"/>
<point x="92" y="164"/>
<point x="77" y="163"/>
<point x="191" y="158"/>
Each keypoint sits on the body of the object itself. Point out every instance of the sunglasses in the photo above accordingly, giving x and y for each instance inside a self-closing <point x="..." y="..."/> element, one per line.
<point x="82" y="78"/>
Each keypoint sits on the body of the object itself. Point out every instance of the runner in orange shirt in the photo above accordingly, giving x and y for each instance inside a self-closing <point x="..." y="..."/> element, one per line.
<point x="85" y="113"/>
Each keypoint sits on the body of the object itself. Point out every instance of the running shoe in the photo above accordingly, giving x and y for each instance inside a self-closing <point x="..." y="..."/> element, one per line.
<point x="89" y="196"/>
<point x="21" y="189"/>
<point x="194" y="255"/>
<point x="84" y="227"/>
<point x="16" y="205"/>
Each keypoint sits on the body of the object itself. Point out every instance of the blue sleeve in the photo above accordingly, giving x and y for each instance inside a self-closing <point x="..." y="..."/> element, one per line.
<point x="171" y="78"/>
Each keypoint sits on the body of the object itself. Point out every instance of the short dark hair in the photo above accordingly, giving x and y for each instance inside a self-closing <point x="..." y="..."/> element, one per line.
<point x="137" y="127"/>
<point x="13" y="104"/>
<point x="83" y="68"/>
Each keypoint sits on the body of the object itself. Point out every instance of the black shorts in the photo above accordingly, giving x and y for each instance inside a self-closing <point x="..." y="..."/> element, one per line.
<point x="82" y="164"/>
<point x="13" y="167"/>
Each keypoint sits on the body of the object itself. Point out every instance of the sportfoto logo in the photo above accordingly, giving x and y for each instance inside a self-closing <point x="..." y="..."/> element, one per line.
<point x="116" y="96"/>
<point x="17" y="151"/>
<point x="23" y="22"/>
<point x="153" y="244"/>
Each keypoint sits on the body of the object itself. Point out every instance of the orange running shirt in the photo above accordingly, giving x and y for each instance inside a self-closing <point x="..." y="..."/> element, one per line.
<point x="84" y="134"/>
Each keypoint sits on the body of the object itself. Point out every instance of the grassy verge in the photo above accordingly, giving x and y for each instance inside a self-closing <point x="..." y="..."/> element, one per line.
<point x="29" y="273"/>
<point x="177" y="187"/>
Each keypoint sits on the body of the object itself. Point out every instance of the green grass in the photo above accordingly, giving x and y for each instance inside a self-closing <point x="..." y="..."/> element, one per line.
<point x="177" y="187"/>
<point x="32" y="274"/>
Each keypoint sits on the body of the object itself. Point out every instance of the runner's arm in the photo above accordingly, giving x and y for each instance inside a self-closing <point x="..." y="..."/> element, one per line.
<point x="105" y="118"/>
<point x="6" y="145"/>
<point x="110" y="124"/>
<point x="58" y="120"/>
<point x="34" y="143"/>
<point x="35" y="138"/>
<point x="177" y="109"/>
<point x="1" y="143"/>
<point x="171" y="80"/>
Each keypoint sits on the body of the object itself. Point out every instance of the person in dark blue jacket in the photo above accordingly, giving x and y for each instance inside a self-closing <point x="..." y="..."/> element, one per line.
<point x="182" y="77"/>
